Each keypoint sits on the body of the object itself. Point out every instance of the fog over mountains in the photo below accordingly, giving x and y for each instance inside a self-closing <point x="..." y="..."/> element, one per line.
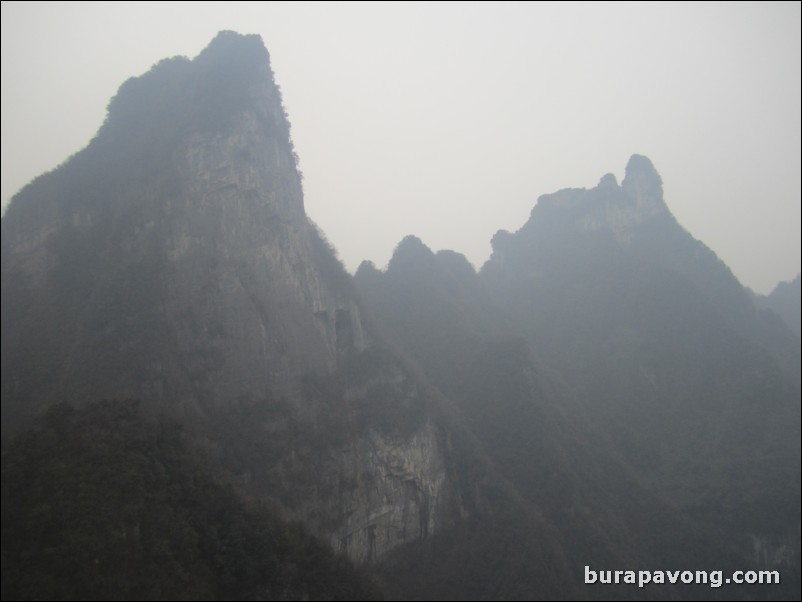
<point x="198" y="401"/>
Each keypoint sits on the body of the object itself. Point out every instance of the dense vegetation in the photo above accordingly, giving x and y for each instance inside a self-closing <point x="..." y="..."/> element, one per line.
<point x="104" y="504"/>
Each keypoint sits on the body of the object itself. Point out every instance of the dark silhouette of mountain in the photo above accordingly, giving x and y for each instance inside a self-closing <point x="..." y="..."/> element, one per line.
<point x="602" y="392"/>
<point x="619" y="375"/>
<point x="171" y="262"/>
<point x="660" y="340"/>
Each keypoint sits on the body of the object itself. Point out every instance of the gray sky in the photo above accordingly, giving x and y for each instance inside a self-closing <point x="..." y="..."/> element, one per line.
<point x="448" y="120"/>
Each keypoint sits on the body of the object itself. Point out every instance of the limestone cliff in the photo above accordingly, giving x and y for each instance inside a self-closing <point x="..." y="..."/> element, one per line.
<point x="172" y="261"/>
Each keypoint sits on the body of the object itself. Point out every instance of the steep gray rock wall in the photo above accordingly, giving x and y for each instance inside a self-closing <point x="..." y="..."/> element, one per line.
<point x="172" y="261"/>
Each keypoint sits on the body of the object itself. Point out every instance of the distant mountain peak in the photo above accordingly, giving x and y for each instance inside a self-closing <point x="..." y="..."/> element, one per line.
<point x="411" y="251"/>
<point x="622" y="209"/>
<point x="785" y="301"/>
<point x="226" y="40"/>
<point x="608" y="207"/>
<point x="643" y="184"/>
<point x="608" y="180"/>
<point x="641" y="164"/>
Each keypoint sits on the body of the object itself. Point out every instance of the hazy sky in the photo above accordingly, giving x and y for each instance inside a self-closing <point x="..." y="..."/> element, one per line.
<point x="448" y="120"/>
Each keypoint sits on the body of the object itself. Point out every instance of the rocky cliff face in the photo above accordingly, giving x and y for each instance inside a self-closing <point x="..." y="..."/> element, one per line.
<point x="172" y="261"/>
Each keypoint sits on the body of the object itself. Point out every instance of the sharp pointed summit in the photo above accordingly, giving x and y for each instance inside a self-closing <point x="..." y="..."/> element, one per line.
<point x="171" y="261"/>
<point x="643" y="184"/>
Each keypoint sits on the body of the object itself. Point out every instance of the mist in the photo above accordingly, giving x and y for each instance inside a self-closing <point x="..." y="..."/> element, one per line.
<point x="448" y="121"/>
<point x="199" y="400"/>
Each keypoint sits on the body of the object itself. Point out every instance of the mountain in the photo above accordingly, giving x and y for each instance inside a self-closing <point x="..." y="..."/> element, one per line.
<point x="786" y="301"/>
<point x="618" y="374"/>
<point x="658" y="335"/>
<point x="171" y="262"/>
<point x="105" y="503"/>
<point x="602" y="393"/>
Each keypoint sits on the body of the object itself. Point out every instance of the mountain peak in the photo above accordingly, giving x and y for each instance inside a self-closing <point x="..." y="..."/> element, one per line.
<point x="643" y="183"/>
<point x="608" y="180"/>
<point x="227" y="40"/>
<point x="608" y="207"/>
<point x="411" y="251"/>
<point x="189" y="277"/>
<point x="230" y="49"/>
<point x="178" y="97"/>
<point x="193" y="167"/>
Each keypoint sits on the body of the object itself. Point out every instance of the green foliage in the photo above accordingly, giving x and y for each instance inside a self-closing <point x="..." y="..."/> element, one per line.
<point x="102" y="504"/>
